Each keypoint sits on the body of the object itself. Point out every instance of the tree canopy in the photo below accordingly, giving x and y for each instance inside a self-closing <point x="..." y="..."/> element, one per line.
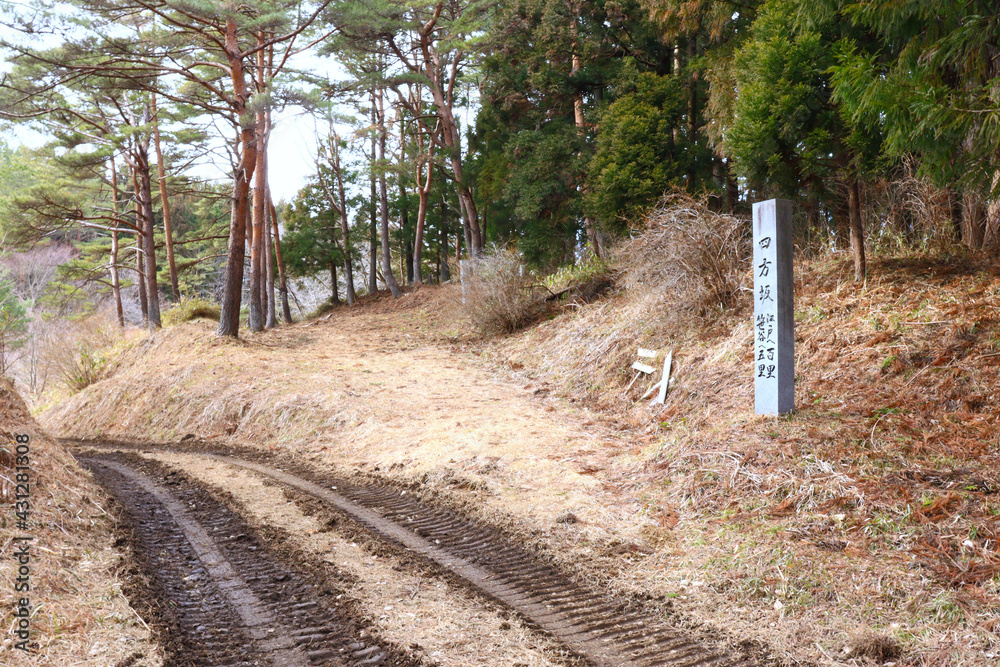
<point x="445" y="126"/>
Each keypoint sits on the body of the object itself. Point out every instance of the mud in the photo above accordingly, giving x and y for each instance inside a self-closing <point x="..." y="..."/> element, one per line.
<point x="595" y="627"/>
<point x="215" y="591"/>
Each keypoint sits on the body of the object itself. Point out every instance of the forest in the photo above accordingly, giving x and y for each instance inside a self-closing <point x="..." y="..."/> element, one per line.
<point x="450" y="128"/>
<point x="349" y="317"/>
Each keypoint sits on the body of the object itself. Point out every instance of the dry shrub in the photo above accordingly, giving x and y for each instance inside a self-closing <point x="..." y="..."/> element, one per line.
<point x="500" y="295"/>
<point x="908" y="212"/>
<point x="85" y="349"/>
<point x="191" y="309"/>
<point x="683" y="270"/>
<point x="697" y="256"/>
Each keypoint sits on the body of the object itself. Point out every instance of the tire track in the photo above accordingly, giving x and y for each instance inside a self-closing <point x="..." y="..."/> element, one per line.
<point x="604" y="631"/>
<point x="596" y="626"/>
<point x="220" y="597"/>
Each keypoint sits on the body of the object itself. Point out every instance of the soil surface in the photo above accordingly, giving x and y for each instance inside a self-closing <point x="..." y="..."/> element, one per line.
<point x="217" y="591"/>
<point x="813" y="535"/>
<point x="220" y="590"/>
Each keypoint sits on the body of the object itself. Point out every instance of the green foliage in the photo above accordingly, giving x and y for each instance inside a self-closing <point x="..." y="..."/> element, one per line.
<point x="785" y="132"/>
<point x="784" y="129"/>
<point x="200" y="218"/>
<point x="13" y="322"/>
<point x="546" y="63"/>
<point x="593" y="270"/>
<point x="312" y="241"/>
<point x="642" y="150"/>
<point x="932" y="85"/>
<point x="18" y="169"/>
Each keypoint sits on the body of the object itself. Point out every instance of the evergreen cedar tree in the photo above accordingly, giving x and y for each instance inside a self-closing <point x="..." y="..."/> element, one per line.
<point x="549" y="125"/>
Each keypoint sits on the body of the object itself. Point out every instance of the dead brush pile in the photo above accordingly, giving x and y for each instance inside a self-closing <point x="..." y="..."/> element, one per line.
<point x="696" y="258"/>
<point x="80" y="616"/>
<point x="500" y="294"/>
<point x="687" y="271"/>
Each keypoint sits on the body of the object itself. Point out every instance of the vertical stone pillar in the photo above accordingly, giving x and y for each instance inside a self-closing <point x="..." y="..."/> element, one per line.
<point x="466" y="267"/>
<point x="774" y="308"/>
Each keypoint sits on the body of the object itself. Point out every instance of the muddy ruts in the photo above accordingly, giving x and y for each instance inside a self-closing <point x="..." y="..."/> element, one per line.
<point x="597" y="627"/>
<point x="217" y="595"/>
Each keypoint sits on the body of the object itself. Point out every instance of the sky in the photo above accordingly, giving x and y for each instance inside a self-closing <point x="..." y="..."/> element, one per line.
<point x="291" y="156"/>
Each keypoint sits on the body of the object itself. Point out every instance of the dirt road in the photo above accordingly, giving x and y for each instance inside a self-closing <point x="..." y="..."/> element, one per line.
<point x="388" y="398"/>
<point x="237" y="555"/>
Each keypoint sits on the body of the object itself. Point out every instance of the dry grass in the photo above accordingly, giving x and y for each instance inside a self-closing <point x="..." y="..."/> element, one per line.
<point x="190" y="309"/>
<point x="81" y="350"/>
<point x="873" y="507"/>
<point x="696" y="258"/>
<point x="905" y="212"/>
<point x="683" y="278"/>
<point x="499" y="294"/>
<point x="80" y="616"/>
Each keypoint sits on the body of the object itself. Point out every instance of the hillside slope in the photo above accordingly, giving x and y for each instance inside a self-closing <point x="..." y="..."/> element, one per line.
<point x="79" y="615"/>
<point x="863" y="526"/>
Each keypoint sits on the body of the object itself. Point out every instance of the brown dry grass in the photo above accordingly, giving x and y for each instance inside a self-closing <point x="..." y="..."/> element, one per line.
<point x="872" y="508"/>
<point x="499" y="295"/>
<point x="687" y="264"/>
<point x="873" y="505"/>
<point x="80" y="615"/>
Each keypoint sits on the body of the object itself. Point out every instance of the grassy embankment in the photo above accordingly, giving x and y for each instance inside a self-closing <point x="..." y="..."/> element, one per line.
<point x="79" y="615"/>
<point x="862" y="526"/>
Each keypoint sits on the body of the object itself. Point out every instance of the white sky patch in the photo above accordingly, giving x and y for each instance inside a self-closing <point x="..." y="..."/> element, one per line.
<point x="291" y="155"/>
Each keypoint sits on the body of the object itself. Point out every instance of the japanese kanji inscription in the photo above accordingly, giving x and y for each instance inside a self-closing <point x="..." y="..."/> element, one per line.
<point x="774" y="308"/>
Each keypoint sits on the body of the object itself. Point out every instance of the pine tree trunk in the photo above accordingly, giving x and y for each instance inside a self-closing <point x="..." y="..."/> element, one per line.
<point x="383" y="202"/>
<point x="955" y="208"/>
<point x="140" y="269"/>
<point x="334" y="287"/>
<point x="444" y="272"/>
<point x="352" y="296"/>
<point x="595" y="243"/>
<point x="229" y="318"/>
<point x="257" y="314"/>
<point x="418" y="238"/>
<point x="232" y="295"/>
<point x="272" y="319"/>
<point x="148" y="238"/>
<point x="286" y="312"/>
<point x="165" y="203"/>
<point x="452" y="139"/>
<point x="372" y="216"/>
<point x="140" y="275"/>
<point x="406" y="245"/>
<point x="857" y="228"/>
<point x="116" y="289"/>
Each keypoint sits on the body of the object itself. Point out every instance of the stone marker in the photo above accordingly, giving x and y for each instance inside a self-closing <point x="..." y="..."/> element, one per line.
<point x="465" y="269"/>
<point x="774" y="308"/>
